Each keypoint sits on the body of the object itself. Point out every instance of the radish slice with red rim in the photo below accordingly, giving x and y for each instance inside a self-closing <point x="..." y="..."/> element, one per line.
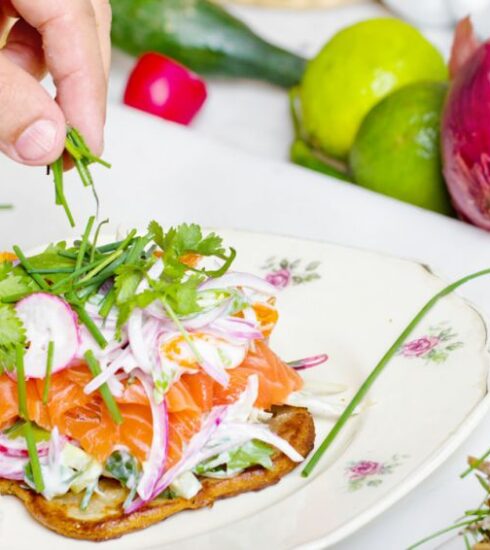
<point x="45" y="318"/>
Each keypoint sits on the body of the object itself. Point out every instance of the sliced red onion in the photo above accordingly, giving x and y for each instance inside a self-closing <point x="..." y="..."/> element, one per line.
<point x="155" y="464"/>
<point x="142" y="338"/>
<point x="12" y="468"/>
<point x="190" y="323"/>
<point x="237" y="279"/>
<point x="204" y="319"/>
<point x="308" y="362"/>
<point x="210" y="425"/>
<point x="45" y="318"/>
<point x="235" y="327"/>
<point x="216" y="373"/>
<point x="17" y="448"/>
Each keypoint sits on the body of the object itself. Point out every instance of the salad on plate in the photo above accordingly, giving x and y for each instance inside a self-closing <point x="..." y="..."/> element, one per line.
<point x="136" y="381"/>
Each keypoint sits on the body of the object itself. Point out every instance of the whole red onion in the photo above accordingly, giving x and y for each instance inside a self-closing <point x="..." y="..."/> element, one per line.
<point x="466" y="138"/>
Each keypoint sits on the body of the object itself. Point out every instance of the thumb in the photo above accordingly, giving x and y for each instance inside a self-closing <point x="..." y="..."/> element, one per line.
<point x="32" y="126"/>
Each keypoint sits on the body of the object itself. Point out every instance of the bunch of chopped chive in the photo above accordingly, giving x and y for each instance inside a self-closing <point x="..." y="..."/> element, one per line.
<point x="82" y="157"/>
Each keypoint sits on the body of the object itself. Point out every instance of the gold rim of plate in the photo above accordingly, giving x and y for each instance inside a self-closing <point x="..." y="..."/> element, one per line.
<point x="295" y="4"/>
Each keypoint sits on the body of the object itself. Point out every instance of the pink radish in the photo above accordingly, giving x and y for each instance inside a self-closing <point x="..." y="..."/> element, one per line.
<point x="47" y="317"/>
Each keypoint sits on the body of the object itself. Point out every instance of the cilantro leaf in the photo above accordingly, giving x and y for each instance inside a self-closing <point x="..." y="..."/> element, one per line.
<point x="158" y="236"/>
<point x="14" y="284"/>
<point x="212" y="244"/>
<point x="12" y="332"/>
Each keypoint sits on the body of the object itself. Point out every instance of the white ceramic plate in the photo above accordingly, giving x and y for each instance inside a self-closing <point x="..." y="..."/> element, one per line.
<point x="352" y="305"/>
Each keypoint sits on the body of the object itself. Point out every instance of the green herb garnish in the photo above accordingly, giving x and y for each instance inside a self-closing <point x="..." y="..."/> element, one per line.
<point x="104" y="390"/>
<point x="24" y="414"/>
<point x="366" y="386"/>
<point x="29" y="268"/>
<point x="49" y="369"/>
<point x="83" y="245"/>
<point x="77" y="149"/>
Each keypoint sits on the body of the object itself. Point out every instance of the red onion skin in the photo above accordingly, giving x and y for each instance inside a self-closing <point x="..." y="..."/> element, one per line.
<point x="466" y="139"/>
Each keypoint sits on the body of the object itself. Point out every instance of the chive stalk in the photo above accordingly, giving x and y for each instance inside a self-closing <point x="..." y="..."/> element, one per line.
<point x="83" y="244"/>
<point x="366" y="386"/>
<point x="74" y="275"/>
<point x="109" y="247"/>
<point x="104" y="390"/>
<point x="51" y="270"/>
<point x="34" y="457"/>
<point x="475" y="464"/>
<point x="100" y="266"/>
<point x="24" y="413"/>
<point x="60" y="199"/>
<point x="21" y="382"/>
<point x="107" y="303"/>
<point x="441" y="532"/>
<point x="49" y="369"/>
<point x="91" y="326"/>
<point x="96" y="238"/>
<point x="28" y="268"/>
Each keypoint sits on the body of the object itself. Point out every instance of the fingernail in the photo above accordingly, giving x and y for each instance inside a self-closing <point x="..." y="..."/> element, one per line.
<point x="37" y="140"/>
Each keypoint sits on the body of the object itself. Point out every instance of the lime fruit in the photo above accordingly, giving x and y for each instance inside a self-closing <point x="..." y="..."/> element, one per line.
<point x="357" y="68"/>
<point x="397" y="148"/>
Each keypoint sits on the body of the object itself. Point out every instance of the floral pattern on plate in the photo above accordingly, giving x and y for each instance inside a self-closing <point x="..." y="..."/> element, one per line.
<point x="283" y="273"/>
<point x="435" y="346"/>
<point x="370" y="473"/>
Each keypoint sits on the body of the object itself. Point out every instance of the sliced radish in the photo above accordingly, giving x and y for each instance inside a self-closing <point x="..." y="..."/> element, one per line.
<point x="47" y="317"/>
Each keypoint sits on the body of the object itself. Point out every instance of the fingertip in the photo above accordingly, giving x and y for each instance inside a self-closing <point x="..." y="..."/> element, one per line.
<point x="40" y="143"/>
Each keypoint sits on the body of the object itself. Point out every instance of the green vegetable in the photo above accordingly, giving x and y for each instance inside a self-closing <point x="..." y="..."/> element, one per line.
<point x="378" y="369"/>
<point x="12" y="334"/>
<point x="104" y="390"/>
<point x="24" y="414"/>
<point x="202" y="36"/>
<point x="228" y="464"/>
<point x="49" y="368"/>
<point x="82" y="157"/>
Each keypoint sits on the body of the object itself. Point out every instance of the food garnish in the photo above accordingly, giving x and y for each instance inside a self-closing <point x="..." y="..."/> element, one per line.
<point x="82" y="157"/>
<point x="379" y="368"/>
<point x="142" y="363"/>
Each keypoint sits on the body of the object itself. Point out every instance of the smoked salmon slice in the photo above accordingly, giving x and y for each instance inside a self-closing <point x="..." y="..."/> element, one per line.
<point x="85" y="418"/>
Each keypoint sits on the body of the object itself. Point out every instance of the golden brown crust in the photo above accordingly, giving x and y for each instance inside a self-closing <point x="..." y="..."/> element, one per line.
<point x="105" y="519"/>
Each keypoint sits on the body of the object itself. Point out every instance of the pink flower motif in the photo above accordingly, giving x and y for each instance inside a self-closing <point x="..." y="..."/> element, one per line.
<point x="280" y="278"/>
<point x="365" y="468"/>
<point x="420" y="347"/>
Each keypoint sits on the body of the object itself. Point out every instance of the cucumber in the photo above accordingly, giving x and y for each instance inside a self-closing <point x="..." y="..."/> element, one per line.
<point x="204" y="37"/>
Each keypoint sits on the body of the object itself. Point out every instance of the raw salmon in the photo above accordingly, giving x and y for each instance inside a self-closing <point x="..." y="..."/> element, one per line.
<point x="85" y="418"/>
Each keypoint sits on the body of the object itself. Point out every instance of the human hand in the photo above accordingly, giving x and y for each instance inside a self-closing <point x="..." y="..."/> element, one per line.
<point x="71" y="40"/>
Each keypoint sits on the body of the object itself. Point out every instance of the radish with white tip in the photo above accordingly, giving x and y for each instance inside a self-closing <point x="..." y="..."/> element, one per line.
<point x="45" y="318"/>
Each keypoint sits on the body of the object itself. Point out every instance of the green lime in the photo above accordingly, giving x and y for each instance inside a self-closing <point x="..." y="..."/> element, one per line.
<point x="397" y="148"/>
<point x="358" y="67"/>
